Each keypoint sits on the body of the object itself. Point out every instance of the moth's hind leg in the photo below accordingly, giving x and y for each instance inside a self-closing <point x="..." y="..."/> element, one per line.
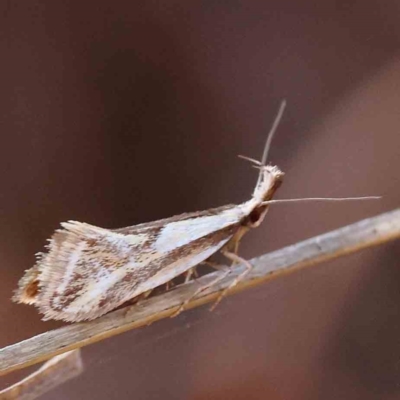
<point x="216" y="266"/>
<point x="235" y="260"/>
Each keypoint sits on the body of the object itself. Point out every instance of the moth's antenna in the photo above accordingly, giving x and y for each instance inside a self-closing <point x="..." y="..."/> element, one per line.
<point x="252" y="160"/>
<point x="272" y="132"/>
<point x="321" y="199"/>
<point x="267" y="146"/>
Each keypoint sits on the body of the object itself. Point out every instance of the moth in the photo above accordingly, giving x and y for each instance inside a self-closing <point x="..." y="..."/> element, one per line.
<point x="88" y="271"/>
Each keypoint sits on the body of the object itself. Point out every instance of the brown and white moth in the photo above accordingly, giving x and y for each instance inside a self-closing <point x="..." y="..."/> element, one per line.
<point x="89" y="271"/>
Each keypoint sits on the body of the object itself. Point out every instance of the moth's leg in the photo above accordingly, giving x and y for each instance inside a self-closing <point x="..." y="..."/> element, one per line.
<point x="218" y="267"/>
<point x="188" y="274"/>
<point x="136" y="300"/>
<point x="192" y="272"/>
<point x="214" y="265"/>
<point x="144" y="295"/>
<point x="169" y="285"/>
<point x="235" y="260"/>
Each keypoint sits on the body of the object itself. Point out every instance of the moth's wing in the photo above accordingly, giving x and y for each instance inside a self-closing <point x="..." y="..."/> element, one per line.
<point x="181" y="217"/>
<point x="89" y="271"/>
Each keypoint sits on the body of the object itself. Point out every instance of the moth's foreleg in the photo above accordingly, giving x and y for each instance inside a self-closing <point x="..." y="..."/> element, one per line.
<point x="235" y="260"/>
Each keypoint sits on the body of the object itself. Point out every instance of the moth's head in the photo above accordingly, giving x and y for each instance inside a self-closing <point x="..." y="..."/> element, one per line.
<point x="269" y="179"/>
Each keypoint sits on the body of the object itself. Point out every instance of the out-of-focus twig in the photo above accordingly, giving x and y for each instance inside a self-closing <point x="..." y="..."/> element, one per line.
<point x="53" y="373"/>
<point x="366" y="233"/>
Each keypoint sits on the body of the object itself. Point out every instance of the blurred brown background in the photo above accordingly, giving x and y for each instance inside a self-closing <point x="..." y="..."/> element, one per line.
<point x="121" y="112"/>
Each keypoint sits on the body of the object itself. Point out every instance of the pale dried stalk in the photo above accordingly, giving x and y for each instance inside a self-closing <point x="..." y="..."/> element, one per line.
<point x="53" y="373"/>
<point x="366" y="233"/>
